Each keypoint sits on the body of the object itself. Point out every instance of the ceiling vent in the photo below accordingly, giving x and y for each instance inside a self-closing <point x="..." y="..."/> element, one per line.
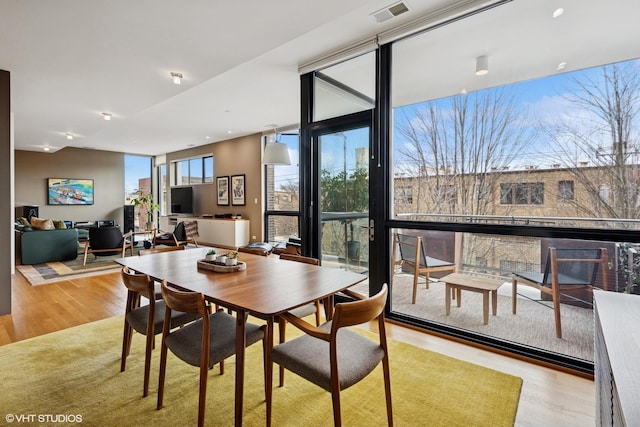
<point x="390" y="12"/>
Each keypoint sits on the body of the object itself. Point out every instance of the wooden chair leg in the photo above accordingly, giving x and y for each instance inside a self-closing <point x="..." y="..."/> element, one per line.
<point x="86" y="252"/>
<point x="556" y="312"/>
<point x="415" y="284"/>
<point x="147" y="363"/>
<point x="202" y="398"/>
<point x="335" y="399"/>
<point x="387" y="389"/>
<point x="163" y="371"/>
<point x="126" y="345"/>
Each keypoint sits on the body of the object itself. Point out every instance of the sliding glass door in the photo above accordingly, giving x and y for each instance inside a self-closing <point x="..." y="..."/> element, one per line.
<point x="344" y="198"/>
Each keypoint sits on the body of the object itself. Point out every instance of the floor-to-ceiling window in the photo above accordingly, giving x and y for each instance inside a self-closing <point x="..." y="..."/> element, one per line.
<point x="282" y="193"/>
<point x="508" y="140"/>
<point x="137" y="180"/>
<point x="500" y="158"/>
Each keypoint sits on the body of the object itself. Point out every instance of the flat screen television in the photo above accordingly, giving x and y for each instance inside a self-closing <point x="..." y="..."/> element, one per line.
<point x="182" y="200"/>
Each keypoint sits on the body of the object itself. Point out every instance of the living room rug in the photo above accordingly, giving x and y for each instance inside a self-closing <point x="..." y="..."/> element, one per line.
<point x="51" y="272"/>
<point x="75" y="374"/>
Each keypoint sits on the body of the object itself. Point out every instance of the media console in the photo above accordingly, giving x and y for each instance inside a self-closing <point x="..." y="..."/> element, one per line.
<point x="221" y="232"/>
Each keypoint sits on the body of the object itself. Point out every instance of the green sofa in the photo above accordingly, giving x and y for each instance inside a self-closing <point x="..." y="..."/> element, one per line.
<point x="42" y="246"/>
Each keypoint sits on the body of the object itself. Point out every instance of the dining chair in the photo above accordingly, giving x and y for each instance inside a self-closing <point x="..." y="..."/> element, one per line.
<point x="336" y="364"/>
<point x="146" y="319"/>
<point x="303" y="311"/>
<point x="203" y="343"/>
<point x="411" y="252"/>
<point x="105" y="241"/>
<point x="142" y="252"/>
<point x="566" y="270"/>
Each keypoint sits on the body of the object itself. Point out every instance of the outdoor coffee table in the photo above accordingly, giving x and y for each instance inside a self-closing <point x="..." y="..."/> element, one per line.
<point x="467" y="282"/>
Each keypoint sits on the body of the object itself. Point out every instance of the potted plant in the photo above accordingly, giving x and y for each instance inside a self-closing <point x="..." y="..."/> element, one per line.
<point x="145" y="204"/>
<point x="211" y="255"/>
<point x="232" y="258"/>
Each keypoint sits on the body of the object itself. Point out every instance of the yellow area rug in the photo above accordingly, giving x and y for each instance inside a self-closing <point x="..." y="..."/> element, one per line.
<point x="72" y="377"/>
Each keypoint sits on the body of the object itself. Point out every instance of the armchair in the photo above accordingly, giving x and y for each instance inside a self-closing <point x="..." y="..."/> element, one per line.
<point x="184" y="233"/>
<point x="565" y="270"/>
<point x="412" y="253"/>
<point x="105" y="241"/>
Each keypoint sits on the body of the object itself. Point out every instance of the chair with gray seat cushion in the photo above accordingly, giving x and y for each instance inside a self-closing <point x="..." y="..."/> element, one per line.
<point x="335" y="357"/>
<point x="203" y="343"/>
<point x="303" y="311"/>
<point x="146" y="319"/>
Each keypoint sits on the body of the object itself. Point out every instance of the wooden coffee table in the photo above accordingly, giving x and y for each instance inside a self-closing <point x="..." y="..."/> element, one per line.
<point x="467" y="282"/>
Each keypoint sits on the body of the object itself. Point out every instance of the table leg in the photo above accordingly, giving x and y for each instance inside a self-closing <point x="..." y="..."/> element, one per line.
<point x="459" y="296"/>
<point x="494" y="302"/>
<point x="268" y="369"/>
<point x="447" y="298"/>
<point x="514" y="295"/>
<point x="241" y="320"/>
<point x="485" y="307"/>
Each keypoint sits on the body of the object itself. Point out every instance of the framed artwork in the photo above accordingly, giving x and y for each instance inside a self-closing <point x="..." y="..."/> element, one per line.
<point x="222" y="187"/>
<point x="69" y="191"/>
<point x="237" y="190"/>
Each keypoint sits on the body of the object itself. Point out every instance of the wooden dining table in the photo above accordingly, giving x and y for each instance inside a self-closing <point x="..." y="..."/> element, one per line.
<point x="267" y="287"/>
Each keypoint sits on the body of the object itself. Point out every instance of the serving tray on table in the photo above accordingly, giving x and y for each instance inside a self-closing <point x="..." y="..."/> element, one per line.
<point x="221" y="268"/>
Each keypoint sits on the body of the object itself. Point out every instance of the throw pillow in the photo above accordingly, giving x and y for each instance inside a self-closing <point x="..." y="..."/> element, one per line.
<point x="24" y="221"/>
<point x="42" y="224"/>
<point x="59" y="225"/>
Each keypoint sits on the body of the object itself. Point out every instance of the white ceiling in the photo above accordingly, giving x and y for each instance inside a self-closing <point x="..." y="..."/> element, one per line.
<point x="71" y="60"/>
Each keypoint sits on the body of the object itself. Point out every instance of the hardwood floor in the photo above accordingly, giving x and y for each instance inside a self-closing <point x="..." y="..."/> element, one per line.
<point x="549" y="397"/>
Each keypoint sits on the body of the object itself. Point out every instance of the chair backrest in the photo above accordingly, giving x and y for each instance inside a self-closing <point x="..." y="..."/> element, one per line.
<point x="137" y="283"/>
<point x="160" y="249"/>
<point x="411" y="248"/>
<point x="360" y="311"/>
<point x="299" y="258"/>
<point x="191" y="230"/>
<point x="578" y="264"/>
<point x="179" y="232"/>
<point x="187" y="302"/>
<point x="105" y="238"/>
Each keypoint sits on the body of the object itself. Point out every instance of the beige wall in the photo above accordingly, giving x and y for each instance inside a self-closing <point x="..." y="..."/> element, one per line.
<point x="106" y="169"/>
<point x="231" y="157"/>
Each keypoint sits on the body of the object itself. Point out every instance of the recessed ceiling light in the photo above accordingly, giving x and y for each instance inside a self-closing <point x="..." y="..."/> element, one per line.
<point x="68" y="135"/>
<point x="177" y="78"/>
<point x="463" y="91"/>
<point x="229" y="131"/>
<point x="46" y="148"/>
<point x="561" y="66"/>
<point x="208" y="137"/>
<point x="558" y="12"/>
<point x="106" y="116"/>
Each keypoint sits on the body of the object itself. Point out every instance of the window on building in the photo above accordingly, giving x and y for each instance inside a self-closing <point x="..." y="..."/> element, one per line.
<point x="404" y="195"/>
<point x="524" y="193"/>
<point x="565" y="190"/>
